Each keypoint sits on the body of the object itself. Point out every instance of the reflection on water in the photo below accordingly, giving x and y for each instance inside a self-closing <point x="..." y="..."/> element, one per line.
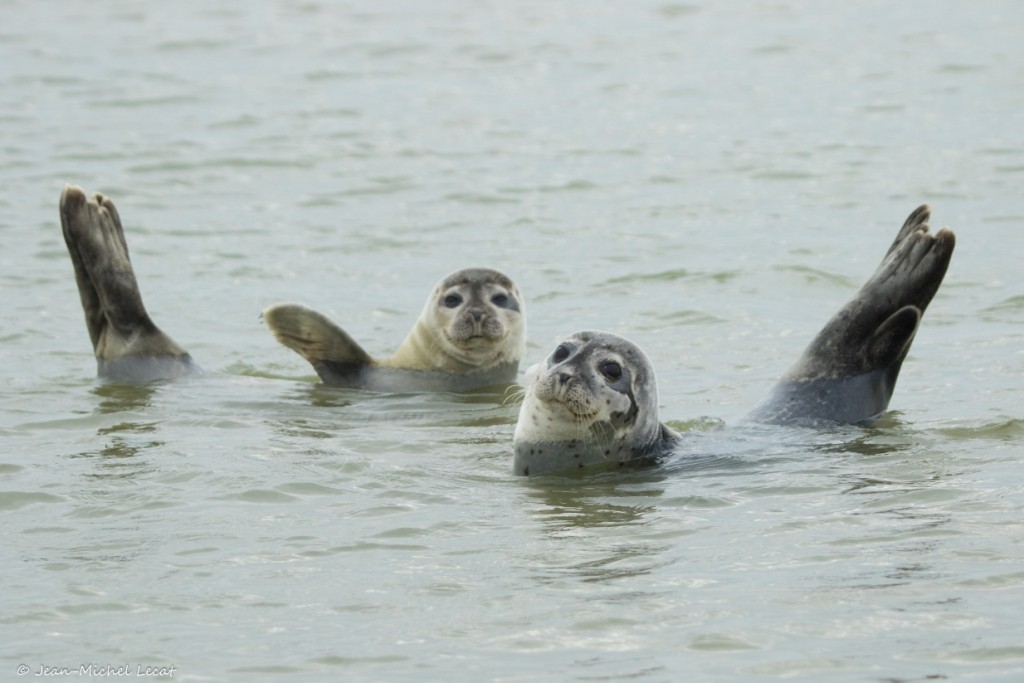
<point x="1009" y="430"/>
<point x="595" y="500"/>
<point x="118" y="398"/>
<point x="871" y="442"/>
<point x="119" y="447"/>
<point x="120" y="441"/>
<point x="626" y="560"/>
<point x="323" y="396"/>
<point x="470" y="418"/>
<point x="575" y="512"/>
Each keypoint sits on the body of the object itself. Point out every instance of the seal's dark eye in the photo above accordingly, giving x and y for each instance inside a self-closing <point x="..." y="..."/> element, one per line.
<point x="560" y="354"/>
<point x="611" y="370"/>
<point x="500" y="300"/>
<point x="452" y="300"/>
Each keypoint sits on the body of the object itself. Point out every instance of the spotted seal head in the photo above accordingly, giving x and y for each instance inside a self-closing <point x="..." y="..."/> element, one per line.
<point x="593" y="401"/>
<point x="470" y="334"/>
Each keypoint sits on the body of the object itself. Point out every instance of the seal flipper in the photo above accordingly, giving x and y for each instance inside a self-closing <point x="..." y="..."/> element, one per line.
<point x="891" y="341"/>
<point x="335" y="356"/>
<point x="127" y="343"/>
<point x="849" y="371"/>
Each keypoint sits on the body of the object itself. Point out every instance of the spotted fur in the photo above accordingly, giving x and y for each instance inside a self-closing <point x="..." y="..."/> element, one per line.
<point x="593" y="401"/>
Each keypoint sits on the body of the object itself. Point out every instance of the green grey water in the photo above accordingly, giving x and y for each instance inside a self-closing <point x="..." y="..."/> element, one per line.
<point x="712" y="180"/>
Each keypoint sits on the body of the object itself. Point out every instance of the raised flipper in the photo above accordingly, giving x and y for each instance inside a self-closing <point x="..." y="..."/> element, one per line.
<point x="127" y="343"/>
<point x="335" y="356"/>
<point x="849" y="371"/>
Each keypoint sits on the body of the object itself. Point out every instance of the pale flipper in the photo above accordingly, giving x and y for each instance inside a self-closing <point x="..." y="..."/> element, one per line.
<point x="328" y="348"/>
<point x="127" y="343"/>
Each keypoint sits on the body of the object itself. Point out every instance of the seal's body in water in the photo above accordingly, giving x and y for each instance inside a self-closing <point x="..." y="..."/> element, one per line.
<point x="594" y="400"/>
<point x="471" y="333"/>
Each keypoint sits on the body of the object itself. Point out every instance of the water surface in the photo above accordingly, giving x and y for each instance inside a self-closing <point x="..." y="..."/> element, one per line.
<point x="712" y="180"/>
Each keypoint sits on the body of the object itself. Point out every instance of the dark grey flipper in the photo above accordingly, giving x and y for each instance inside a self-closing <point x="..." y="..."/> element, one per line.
<point x="848" y="372"/>
<point x="127" y="343"/>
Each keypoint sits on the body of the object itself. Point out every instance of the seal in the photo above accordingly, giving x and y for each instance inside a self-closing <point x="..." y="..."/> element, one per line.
<point x="126" y="342"/>
<point x="471" y="334"/>
<point x="594" y="400"/>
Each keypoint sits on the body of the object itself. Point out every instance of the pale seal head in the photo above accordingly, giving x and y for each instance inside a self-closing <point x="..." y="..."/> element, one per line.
<point x="594" y="400"/>
<point x="474" y="319"/>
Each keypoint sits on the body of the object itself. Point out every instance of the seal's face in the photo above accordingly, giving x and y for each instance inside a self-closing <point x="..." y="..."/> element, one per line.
<point x="479" y="315"/>
<point x="593" y="385"/>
